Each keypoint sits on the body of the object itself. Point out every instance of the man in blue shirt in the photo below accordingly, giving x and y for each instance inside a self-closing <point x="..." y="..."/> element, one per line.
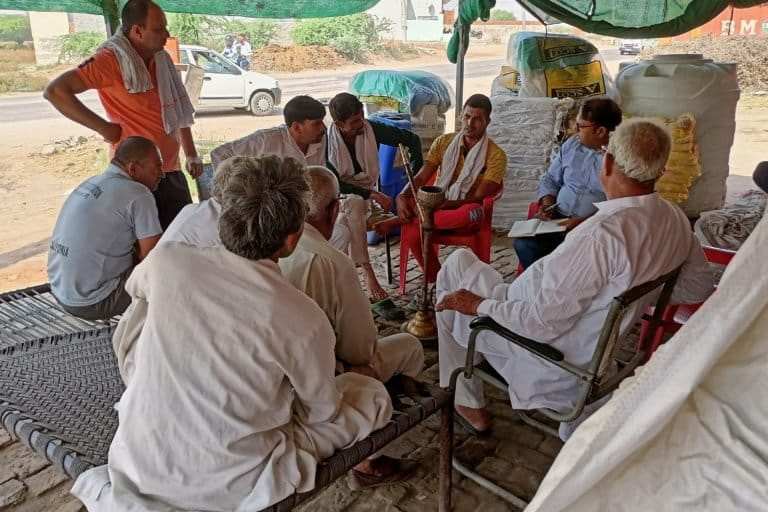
<point x="106" y="226"/>
<point x="571" y="185"/>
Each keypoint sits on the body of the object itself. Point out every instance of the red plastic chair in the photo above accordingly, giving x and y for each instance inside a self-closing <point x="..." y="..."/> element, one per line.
<point x="533" y="210"/>
<point x="478" y="241"/>
<point x="676" y="315"/>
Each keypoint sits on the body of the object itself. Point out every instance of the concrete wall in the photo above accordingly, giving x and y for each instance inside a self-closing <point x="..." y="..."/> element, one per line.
<point x="425" y="30"/>
<point x="49" y="27"/>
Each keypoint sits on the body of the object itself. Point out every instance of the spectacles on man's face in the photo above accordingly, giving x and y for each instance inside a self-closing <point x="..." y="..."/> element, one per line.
<point x="579" y="126"/>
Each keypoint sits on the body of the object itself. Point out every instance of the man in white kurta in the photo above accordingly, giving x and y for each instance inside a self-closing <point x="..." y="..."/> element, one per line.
<point x="231" y="397"/>
<point x="197" y="224"/>
<point x="563" y="299"/>
<point x="329" y="277"/>
<point x="301" y="137"/>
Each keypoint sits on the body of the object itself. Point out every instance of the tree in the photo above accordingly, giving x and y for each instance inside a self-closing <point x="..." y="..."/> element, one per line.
<point x="352" y="36"/>
<point x="259" y="33"/>
<point x="14" y="27"/>
<point x="502" y="15"/>
<point x="193" y="28"/>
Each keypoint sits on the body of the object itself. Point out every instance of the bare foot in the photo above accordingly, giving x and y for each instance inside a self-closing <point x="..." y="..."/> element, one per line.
<point x="384" y="227"/>
<point x="478" y="418"/>
<point x="375" y="291"/>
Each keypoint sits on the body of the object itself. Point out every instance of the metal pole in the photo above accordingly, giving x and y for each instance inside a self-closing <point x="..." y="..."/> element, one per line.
<point x="111" y="16"/>
<point x="461" y="28"/>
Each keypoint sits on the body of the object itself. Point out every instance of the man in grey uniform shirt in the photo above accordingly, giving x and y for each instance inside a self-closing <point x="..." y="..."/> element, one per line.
<point x="107" y="225"/>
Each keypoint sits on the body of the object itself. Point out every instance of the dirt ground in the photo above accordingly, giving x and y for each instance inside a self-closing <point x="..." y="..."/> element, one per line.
<point x="33" y="187"/>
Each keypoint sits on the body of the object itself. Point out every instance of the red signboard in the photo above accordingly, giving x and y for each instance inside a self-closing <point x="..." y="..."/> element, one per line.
<point x="734" y="22"/>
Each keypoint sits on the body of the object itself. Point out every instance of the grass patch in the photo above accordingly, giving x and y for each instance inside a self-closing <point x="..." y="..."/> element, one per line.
<point x="17" y="72"/>
<point x="18" y="81"/>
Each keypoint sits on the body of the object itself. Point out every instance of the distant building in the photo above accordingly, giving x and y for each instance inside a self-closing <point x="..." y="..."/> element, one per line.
<point x="412" y="20"/>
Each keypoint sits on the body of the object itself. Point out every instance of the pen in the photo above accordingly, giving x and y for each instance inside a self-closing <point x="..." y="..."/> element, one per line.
<point x="551" y="207"/>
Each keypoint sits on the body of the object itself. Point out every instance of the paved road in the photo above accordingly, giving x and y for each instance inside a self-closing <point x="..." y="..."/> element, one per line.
<point x="18" y="108"/>
<point x="34" y="107"/>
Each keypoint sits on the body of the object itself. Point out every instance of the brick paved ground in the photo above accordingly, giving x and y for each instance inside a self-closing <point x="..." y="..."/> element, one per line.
<point x="515" y="455"/>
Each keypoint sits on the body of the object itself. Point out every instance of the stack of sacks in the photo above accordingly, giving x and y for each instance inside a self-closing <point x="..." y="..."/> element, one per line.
<point x="527" y="130"/>
<point x="683" y="164"/>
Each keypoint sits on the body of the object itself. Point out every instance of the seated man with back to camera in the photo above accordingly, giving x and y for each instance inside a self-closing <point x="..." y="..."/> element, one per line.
<point x="353" y="155"/>
<point x="198" y="223"/>
<point x="328" y="277"/>
<point x="106" y="226"/>
<point x="251" y="432"/>
<point x="571" y="186"/>
<point x="563" y="298"/>
<point x="468" y="166"/>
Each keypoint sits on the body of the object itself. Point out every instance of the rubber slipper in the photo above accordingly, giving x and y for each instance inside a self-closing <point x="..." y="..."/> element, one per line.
<point x="358" y="481"/>
<point x="388" y="310"/>
<point x="466" y="425"/>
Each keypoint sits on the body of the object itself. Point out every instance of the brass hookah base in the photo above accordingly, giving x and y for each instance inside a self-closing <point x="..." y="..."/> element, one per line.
<point x="424" y="324"/>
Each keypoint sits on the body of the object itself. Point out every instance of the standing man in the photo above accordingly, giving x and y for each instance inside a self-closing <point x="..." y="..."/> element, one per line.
<point x="571" y="186"/>
<point x="243" y="48"/>
<point x="142" y="94"/>
<point x="301" y="137"/>
<point x="353" y="155"/>
<point x="106" y="226"/>
<point x="229" y="51"/>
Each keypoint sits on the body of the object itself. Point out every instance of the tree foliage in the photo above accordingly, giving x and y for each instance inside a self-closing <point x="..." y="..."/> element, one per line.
<point x="79" y="45"/>
<point x="502" y="15"/>
<point x="353" y="36"/>
<point x="15" y="27"/>
<point x="193" y="28"/>
<point x="259" y="33"/>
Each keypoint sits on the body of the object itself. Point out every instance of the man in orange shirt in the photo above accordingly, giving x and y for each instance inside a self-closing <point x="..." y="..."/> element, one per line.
<point x="143" y="26"/>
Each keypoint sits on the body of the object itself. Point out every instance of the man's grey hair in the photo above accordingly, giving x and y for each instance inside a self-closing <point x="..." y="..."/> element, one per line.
<point x="224" y="171"/>
<point x="640" y="148"/>
<point x="264" y="201"/>
<point x="325" y="190"/>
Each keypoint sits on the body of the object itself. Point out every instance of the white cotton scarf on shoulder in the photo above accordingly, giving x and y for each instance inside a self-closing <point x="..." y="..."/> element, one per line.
<point x="366" y="152"/>
<point x="474" y="163"/>
<point x="177" y="108"/>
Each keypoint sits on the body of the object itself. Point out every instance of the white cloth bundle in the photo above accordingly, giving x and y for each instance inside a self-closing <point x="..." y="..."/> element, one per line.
<point x="474" y="163"/>
<point x="174" y="100"/>
<point x="366" y="152"/>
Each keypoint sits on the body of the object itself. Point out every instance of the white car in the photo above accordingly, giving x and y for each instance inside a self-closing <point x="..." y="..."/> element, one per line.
<point x="227" y="85"/>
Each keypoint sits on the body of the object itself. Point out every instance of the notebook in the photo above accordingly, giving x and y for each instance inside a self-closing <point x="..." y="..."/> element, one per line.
<point x="533" y="227"/>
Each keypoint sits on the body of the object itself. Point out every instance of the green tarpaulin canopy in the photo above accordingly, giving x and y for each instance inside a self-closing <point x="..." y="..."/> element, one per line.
<point x="249" y="8"/>
<point x="632" y="18"/>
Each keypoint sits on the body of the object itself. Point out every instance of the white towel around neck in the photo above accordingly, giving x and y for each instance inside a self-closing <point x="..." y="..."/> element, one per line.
<point x="177" y="108"/>
<point x="366" y="152"/>
<point x="474" y="163"/>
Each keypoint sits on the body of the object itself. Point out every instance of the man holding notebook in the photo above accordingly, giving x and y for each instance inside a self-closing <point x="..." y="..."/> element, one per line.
<point x="571" y="185"/>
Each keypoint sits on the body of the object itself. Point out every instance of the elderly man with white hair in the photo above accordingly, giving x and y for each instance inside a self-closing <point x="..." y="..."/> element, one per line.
<point x="198" y="223"/>
<point x="329" y="277"/>
<point x="563" y="298"/>
<point x="231" y="398"/>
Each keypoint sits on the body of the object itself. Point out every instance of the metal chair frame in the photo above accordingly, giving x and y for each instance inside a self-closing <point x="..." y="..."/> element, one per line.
<point x="593" y="383"/>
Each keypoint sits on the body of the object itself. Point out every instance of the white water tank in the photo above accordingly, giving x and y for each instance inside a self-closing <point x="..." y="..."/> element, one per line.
<point x="670" y="85"/>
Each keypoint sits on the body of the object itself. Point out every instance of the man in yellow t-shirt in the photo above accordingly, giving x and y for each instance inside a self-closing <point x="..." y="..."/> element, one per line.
<point x="468" y="165"/>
